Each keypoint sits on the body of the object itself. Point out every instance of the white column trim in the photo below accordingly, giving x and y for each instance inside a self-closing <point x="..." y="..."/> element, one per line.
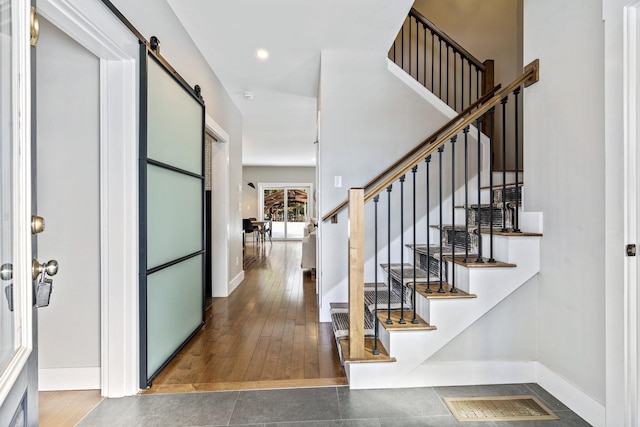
<point x="631" y="98"/>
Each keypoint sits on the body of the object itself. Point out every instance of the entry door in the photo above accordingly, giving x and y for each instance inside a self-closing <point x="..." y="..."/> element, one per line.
<point x="18" y="355"/>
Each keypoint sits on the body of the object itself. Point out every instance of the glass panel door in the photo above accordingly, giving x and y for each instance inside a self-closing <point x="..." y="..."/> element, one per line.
<point x="287" y="208"/>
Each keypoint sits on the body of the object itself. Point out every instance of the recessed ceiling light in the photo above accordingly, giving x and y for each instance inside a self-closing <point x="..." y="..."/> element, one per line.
<point x="262" y="54"/>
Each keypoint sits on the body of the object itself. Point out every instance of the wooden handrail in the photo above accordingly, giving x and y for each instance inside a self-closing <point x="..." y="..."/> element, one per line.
<point x="445" y="37"/>
<point x="531" y="75"/>
<point x="417" y="148"/>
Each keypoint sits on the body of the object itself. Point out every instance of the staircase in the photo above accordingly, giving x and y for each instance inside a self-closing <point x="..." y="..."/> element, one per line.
<point x="439" y="316"/>
<point x="443" y="256"/>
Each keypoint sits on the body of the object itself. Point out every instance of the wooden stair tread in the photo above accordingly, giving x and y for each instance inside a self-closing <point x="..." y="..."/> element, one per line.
<point x="512" y="234"/>
<point x="485" y="264"/>
<point x="422" y="325"/>
<point x="500" y="185"/>
<point x="422" y="288"/>
<point x="368" y="351"/>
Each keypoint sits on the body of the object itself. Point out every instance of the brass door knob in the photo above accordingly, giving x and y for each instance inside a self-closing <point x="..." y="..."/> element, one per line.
<point x="50" y="268"/>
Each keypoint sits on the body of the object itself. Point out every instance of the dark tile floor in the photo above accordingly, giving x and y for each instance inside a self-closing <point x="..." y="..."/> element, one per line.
<point x="318" y="407"/>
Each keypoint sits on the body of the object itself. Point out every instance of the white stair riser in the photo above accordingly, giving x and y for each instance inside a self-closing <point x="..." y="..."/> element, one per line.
<point x="450" y="316"/>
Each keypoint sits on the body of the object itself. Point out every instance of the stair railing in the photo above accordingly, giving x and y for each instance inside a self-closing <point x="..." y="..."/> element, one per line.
<point x="439" y="63"/>
<point x="455" y="241"/>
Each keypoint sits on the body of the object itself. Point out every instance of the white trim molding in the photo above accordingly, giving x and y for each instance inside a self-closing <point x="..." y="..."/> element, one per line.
<point x="627" y="355"/>
<point x="233" y="284"/>
<point x="575" y="399"/>
<point x="69" y="379"/>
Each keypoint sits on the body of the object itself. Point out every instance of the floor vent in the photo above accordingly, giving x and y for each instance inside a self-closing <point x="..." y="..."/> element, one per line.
<point x="500" y="408"/>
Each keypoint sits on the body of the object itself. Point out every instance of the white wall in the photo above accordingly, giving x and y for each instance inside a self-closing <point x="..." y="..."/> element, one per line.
<point x="156" y="18"/>
<point x="68" y="198"/>
<point x="370" y="118"/>
<point x="274" y="174"/>
<point x="565" y="179"/>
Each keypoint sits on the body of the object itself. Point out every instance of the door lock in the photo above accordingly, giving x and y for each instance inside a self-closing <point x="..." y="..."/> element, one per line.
<point x="6" y="271"/>
<point x="37" y="224"/>
<point x="631" y="250"/>
<point x="50" y="268"/>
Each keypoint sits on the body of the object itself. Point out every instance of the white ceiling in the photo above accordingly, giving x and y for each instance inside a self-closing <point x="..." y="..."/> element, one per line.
<point x="279" y="124"/>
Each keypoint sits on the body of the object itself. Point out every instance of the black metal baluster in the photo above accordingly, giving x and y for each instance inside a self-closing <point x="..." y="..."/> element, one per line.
<point x="470" y="83"/>
<point x="466" y="194"/>
<point x="417" y="54"/>
<point x="453" y="213"/>
<point x="413" y="291"/>
<point x="409" y="47"/>
<point x="455" y="81"/>
<point x="424" y="55"/>
<point x="462" y="83"/>
<point x="478" y="217"/>
<point x="440" y="69"/>
<point x="478" y="92"/>
<point x="389" y="321"/>
<point x="441" y="288"/>
<point x="516" y="225"/>
<point x="433" y="59"/>
<point x="447" y="46"/>
<point x="428" y="161"/>
<point x="504" y="163"/>
<point x="491" y="118"/>
<point x="402" y="321"/>
<point x="375" y="276"/>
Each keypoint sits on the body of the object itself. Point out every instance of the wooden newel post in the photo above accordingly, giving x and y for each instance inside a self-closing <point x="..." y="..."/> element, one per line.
<point x="488" y="82"/>
<point x="356" y="273"/>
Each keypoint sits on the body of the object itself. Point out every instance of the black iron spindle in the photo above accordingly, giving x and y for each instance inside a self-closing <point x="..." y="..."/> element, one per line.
<point x="478" y="222"/>
<point x="504" y="163"/>
<point x="424" y="56"/>
<point x="414" y="320"/>
<point x="516" y="225"/>
<point x="433" y="55"/>
<point x="462" y="61"/>
<point x="491" y="119"/>
<point x="441" y="288"/>
<point x="428" y="161"/>
<point x="453" y="214"/>
<point x="409" y="47"/>
<point x="389" y="321"/>
<point x="447" y="46"/>
<point x="440" y="69"/>
<point x="466" y="194"/>
<point x="402" y="321"/>
<point x="455" y="81"/>
<point x="375" y="276"/>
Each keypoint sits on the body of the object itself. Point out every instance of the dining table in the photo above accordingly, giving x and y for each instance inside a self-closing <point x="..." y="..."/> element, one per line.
<point x="260" y="226"/>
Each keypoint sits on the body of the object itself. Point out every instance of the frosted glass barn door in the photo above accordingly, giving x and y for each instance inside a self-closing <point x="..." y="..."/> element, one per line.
<point x="172" y="249"/>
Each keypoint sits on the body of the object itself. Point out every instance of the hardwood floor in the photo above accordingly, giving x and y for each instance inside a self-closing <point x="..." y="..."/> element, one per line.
<point x="266" y="334"/>
<point x="65" y="408"/>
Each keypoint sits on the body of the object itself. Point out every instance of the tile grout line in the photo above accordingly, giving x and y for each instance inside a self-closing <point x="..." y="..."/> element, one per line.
<point x="235" y="404"/>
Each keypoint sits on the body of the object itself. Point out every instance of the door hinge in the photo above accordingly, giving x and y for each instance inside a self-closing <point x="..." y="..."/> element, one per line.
<point x="35" y="27"/>
<point x="631" y="250"/>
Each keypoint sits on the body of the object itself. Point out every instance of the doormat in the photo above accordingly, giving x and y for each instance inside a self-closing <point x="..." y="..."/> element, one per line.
<point x="498" y="408"/>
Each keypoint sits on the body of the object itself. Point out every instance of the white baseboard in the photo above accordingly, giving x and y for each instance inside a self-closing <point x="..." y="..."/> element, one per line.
<point x="478" y="373"/>
<point x="235" y="282"/>
<point x="575" y="399"/>
<point x="50" y="379"/>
